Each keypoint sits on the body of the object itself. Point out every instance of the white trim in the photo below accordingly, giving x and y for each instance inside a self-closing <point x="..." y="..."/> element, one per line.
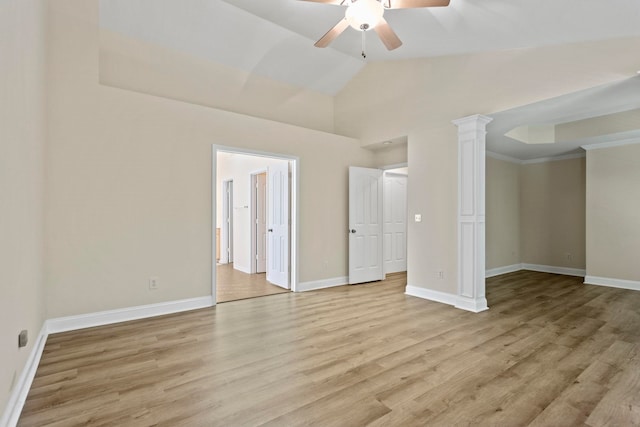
<point x="475" y="305"/>
<point x="395" y="166"/>
<point x="460" y="302"/>
<point x="612" y="283"/>
<point x="499" y="156"/>
<point x="503" y="270"/>
<point x="21" y="389"/>
<point x="431" y="295"/>
<point x="611" y="144"/>
<point x="554" y="159"/>
<point x="322" y="284"/>
<point x="72" y="323"/>
<point x="502" y="157"/>
<point x="555" y="270"/>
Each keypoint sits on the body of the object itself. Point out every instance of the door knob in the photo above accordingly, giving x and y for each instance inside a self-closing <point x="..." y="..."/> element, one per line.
<point x="353" y="230"/>
<point x="270" y="230"/>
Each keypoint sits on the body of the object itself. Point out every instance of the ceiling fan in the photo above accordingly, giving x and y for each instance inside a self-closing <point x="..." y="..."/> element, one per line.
<point x="364" y="15"/>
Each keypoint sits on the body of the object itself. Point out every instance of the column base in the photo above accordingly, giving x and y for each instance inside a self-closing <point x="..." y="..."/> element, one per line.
<point x="475" y="305"/>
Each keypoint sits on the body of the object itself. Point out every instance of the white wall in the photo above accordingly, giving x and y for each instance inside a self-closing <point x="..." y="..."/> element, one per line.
<point x="502" y="213"/>
<point x="129" y="183"/>
<point x="420" y="98"/>
<point x="22" y="137"/>
<point x="552" y="213"/>
<point x="613" y="203"/>
<point x="132" y="64"/>
<point x="536" y="213"/>
<point x="239" y="168"/>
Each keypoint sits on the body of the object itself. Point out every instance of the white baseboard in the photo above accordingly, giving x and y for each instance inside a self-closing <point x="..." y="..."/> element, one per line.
<point x="503" y="270"/>
<point x="322" y="284"/>
<point x="431" y="295"/>
<point x="72" y="323"/>
<point x="535" y="267"/>
<point x="21" y="389"/>
<point x="612" y="283"/>
<point x="460" y="302"/>
<point x="475" y="305"/>
<point x="555" y="270"/>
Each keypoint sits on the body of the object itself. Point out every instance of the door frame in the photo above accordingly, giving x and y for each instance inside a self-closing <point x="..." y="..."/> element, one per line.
<point x="254" y="237"/>
<point x="294" y="161"/>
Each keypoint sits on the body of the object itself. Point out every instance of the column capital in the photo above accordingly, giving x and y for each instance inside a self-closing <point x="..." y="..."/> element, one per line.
<point x="477" y="120"/>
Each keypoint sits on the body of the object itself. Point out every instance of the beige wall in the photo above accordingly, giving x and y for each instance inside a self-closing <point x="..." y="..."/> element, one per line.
<point x="129" y="183"/>
<point x="419" y="98"/>
<point x="394" y="154"/>
<point x="613" y="203"/>
<point x="144" y="67"/>
<point x="552" y="213"/>
<point x="502" y="213"/>
<point x="22" y="135"/>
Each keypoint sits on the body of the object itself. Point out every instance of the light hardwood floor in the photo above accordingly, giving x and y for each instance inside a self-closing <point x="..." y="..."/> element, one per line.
<point x="550" y="351"/>
<point x="233" y="285"/>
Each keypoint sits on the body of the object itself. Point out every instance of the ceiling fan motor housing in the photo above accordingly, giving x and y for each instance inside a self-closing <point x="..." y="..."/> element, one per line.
<point x="364" y="15"/>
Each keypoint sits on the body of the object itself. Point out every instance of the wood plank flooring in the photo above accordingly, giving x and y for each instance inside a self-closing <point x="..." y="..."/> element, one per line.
<point x="233" y="285"/>
<point x="550" y="352"/>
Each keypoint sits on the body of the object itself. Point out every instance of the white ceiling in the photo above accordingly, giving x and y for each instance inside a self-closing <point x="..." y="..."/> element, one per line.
<point x="595" y="102"/>
<point x="274" y="38"/>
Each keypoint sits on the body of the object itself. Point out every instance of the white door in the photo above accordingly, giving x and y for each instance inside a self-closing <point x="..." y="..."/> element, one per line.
<point x="261" y="222"/>
<point x="365" y="225"/>
<point x="226" y="232"/>
<point x="395" y="223"/>
<point x="278" y="225"/>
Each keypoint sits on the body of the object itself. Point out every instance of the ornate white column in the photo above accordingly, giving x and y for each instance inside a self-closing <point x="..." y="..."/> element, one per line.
<point x="471" y="212"/>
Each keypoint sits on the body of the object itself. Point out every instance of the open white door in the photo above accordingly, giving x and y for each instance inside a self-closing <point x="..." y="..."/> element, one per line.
<point x="365" y="225"/>
<point x="278" y="220"/>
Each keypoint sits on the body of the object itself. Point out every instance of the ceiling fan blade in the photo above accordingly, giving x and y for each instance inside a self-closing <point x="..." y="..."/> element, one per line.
<point x="410" y="4"/>
<point x="338" y="2"/>
<point x="332" y="33"/>
<point x="387" y="35"/>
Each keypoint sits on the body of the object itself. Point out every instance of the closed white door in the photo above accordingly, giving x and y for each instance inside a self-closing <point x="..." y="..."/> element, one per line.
<point x="365" y="225"/>
<point x="261" y="223"/>
<point x="278" y="225"/>
<point x="395" y="223"/>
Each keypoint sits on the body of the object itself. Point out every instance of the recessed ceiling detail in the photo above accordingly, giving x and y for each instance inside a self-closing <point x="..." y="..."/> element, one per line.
<point x="534" y="134"/>
<point x="561" y="125"/>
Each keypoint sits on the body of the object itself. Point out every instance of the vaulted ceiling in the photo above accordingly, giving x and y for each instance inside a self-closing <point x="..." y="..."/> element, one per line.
<point x="275" y="38"/>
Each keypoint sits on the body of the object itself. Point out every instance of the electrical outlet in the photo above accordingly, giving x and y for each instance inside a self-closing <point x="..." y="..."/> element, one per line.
<point x="23" y="338"/>
<point x="418" y="218"/>
<point x="153" y="283"/>
<point x="440" y="275"/>
<point x="569" y="257"/>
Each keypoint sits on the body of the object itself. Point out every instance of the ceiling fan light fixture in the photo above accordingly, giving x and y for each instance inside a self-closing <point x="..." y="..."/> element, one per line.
<point x="364" y="15"/>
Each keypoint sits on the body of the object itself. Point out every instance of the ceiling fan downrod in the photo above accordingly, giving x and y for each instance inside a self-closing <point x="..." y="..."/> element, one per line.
<point x="364" y="28"/>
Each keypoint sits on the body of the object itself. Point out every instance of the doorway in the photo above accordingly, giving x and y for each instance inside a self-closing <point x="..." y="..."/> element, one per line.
<point x="263" y="211"/>
<point x="377" y="222"/>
